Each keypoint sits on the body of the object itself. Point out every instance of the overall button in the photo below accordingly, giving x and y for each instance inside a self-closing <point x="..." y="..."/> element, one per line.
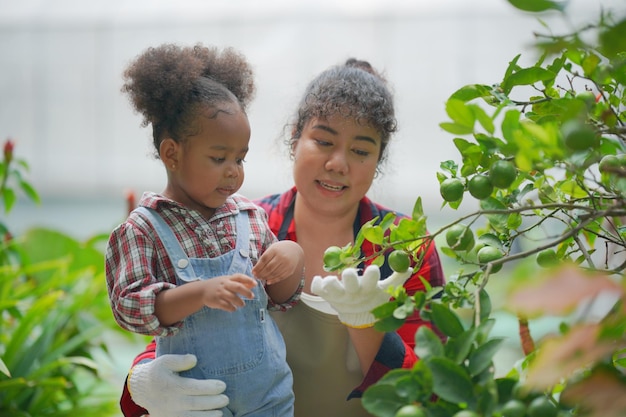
<point x="182" y="263"/>
<point x="243" y="252"/>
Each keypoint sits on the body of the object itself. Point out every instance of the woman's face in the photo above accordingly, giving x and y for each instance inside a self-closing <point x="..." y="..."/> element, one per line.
<point x="335" y="161"/>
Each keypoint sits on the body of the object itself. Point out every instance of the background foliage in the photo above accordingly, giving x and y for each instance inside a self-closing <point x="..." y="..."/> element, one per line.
<point x="54" y="315"/>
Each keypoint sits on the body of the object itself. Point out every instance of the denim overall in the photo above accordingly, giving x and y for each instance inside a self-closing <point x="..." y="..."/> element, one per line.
<point x="243" y="348"/>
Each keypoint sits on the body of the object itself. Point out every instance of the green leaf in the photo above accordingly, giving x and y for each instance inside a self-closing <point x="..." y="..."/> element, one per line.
<point x="418" y="210"/>
<point x="451" y="382"/>
<point x="374" y="234"/>
<point x="9" y="197"/>
<point x="30" y="192"/>
<point x="538" y="5"/>
<point x="511" y="124"/>
<point x="4" y="369"/>
<point x="457" y="348"/>
<point x="471" y="92"/>
<point x="456" y="128"/>
<point x="382" y="398"/>
<point x="446" y="320"/>
<point x="482" y="357"/>
<point x="497" y="221"/>
<point x="460" y="113"/>
<point x="483" y="118"/>
<point x="427" y="343"/>
<point x="485" y="304"/>
<point x="613" y="41"/>
<point x="527" y="76"/>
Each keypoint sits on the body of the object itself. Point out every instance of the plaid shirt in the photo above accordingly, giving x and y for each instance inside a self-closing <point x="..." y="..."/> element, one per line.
<point x="138" y="267"/>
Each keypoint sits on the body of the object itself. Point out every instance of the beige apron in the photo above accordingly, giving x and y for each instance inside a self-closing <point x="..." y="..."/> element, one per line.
<point x="323" y="361"/>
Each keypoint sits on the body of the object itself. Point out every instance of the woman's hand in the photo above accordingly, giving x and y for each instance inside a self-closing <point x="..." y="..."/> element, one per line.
<point x="354" y="297"/>
<point x="157" y="387"/>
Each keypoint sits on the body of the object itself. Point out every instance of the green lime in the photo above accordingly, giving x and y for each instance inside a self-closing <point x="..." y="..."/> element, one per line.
<point x="480" y="187"/>
<point x="547" y="258"/>
<point x="609" y="164"/>
<point x="542" y="407"/>
<point x="513" y="408"/>
<point x="332" y="257"/>
<point x="399" y="260"/>
<point x="579" y="136"/>
<point x="410" y="410"/>
<point x="451" y="189"/>
<point x="488" y="254"/>
<point x="460" y="237"/>
<point x="502" y="173"/>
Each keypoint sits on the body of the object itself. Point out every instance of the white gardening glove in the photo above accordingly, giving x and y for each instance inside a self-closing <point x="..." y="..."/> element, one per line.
<point x="354" y="297"/>
<point x="157" y="387"/>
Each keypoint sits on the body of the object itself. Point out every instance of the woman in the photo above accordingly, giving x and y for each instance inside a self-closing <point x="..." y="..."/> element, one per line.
<point x="338" y="141"/>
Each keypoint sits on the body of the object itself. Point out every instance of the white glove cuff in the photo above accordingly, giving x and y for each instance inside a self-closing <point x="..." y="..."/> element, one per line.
<point x="138" y="382"/>
<point x="358" y="320"/>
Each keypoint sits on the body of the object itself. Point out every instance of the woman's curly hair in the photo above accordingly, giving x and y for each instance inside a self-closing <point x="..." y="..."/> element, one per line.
<point x="170" y="85"/>
<point x="354" y="90"/>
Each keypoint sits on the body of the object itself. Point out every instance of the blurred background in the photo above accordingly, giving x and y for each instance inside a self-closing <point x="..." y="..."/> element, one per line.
<point x="60" y="77"/>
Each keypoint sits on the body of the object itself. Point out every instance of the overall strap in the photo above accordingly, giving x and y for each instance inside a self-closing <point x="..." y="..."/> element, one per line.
<point x="177" y="255"/>
<point x="243" y="233"/>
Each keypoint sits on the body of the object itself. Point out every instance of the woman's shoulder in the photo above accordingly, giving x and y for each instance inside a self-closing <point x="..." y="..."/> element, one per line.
<point x="277" y="202"/>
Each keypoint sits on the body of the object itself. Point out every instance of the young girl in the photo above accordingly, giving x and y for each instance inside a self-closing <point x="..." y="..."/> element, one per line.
<point x="197" y="265"/>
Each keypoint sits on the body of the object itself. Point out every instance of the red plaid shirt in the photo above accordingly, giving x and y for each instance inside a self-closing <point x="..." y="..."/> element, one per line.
<point x="138" y="267"/>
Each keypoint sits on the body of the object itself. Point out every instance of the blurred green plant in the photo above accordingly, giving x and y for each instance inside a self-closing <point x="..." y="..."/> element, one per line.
<point x="542" y="153"/>
<point x="53" y="316"/>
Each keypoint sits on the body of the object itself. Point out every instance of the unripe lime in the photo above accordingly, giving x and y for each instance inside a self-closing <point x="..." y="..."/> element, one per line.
<point x="542" y="407"/>
<point x="488" y="254"/>
<point x="460" y="237"/>
<point x="410" y="410"/>
<point x="332" y="257"/>
<point x="513" y="408"/>
<point x="480" y="187"/>
<point x="579" y="136"/>
<point x="547" y="258"/>
<point x="399" y="261"/>
<point x="502" y="173"/>
<point x="609" y="163"/>
<point x="451" y="189"/>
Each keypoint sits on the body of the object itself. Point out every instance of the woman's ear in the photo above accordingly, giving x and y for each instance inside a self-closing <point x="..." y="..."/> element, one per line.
<point x="169" y="151"/>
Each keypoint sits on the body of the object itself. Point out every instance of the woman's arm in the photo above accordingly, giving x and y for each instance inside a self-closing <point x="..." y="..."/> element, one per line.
<point x="383" y="352"/>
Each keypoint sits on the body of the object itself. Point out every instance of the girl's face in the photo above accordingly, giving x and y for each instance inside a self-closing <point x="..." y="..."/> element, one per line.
<point x="335" y="161"/>
<point x="209" y="165"/>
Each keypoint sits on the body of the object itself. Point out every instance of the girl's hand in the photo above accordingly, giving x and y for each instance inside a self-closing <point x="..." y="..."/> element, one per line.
<point x="282" y="260"/>
<point x="227" y="292"/>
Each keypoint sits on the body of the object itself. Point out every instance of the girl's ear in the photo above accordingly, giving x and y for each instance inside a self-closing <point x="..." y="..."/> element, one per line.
<point x="169" y="151"/>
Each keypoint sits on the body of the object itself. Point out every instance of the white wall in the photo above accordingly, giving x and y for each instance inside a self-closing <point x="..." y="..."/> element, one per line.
<point x="61" y="65"/>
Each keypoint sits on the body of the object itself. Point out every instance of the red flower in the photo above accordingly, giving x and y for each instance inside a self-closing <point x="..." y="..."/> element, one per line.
<point x="8" y="150"/>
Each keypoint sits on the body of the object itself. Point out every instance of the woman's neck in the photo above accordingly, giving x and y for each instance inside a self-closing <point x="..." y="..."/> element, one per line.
<point x="316" y="231"/>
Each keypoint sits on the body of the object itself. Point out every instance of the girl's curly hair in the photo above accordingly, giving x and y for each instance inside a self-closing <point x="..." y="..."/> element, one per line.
<point x="170" y="85"/>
